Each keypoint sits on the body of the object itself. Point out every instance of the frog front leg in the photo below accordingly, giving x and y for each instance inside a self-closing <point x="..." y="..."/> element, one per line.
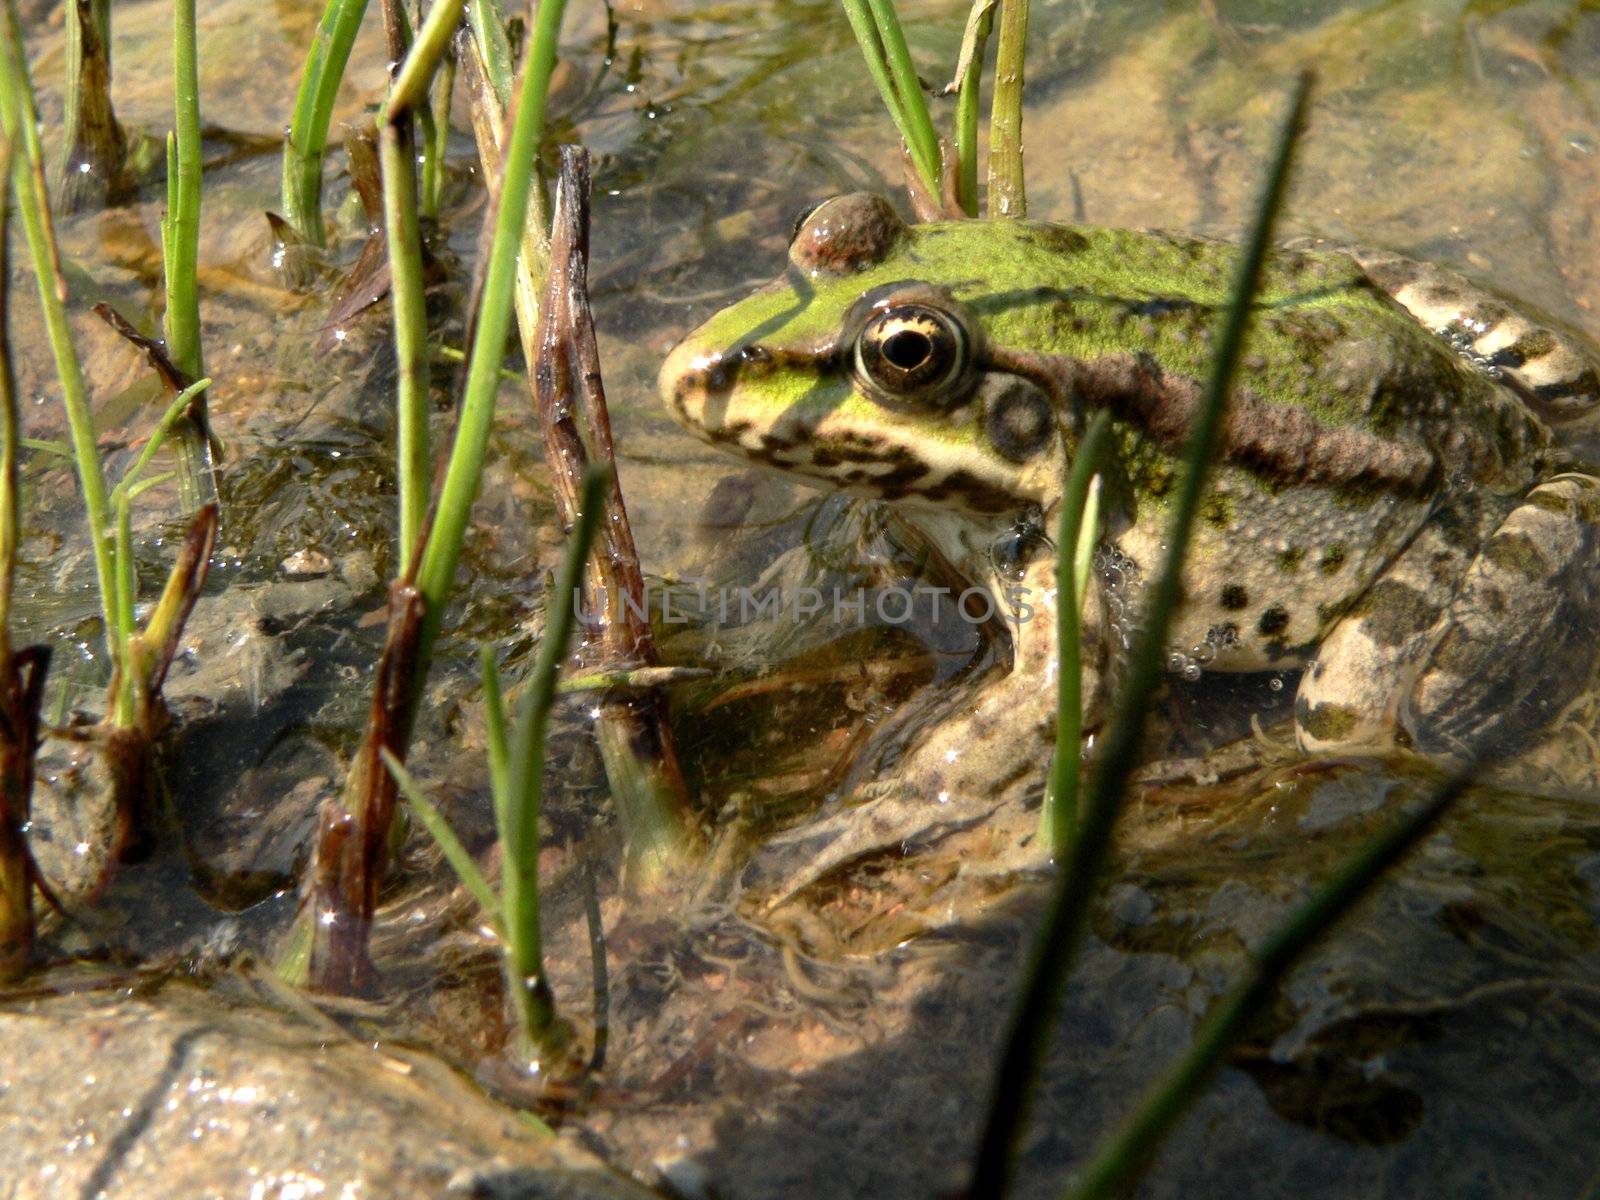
<point x="1473" y="639"/>
<point x="965" y="757"/>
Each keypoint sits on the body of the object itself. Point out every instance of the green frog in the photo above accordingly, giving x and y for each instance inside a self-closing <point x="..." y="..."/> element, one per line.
<point x="1396" y="512"/>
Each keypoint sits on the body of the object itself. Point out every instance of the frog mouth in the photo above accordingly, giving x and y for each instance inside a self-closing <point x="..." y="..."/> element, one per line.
<point x="828" y="434"/>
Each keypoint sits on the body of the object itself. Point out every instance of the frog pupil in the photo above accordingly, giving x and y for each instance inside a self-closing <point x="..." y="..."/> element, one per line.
<point x="907" y="349"/>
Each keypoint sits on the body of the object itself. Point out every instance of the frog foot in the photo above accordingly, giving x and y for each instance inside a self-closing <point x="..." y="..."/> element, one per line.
<point x="1470" y="655"/>
<point x="960" y="772"/>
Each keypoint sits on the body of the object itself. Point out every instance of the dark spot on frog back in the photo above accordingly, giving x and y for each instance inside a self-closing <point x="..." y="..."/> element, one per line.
<point x="1273" y="621"/>
<point x="847" y="234"/>
<point x="1056" y="239"/>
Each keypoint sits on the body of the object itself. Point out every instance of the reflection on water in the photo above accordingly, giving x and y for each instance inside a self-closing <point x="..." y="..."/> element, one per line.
<point x="1443" y="1043"/>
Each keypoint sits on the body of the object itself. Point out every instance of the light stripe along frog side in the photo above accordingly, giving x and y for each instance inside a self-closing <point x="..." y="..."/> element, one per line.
<point x="1392" y="510"/>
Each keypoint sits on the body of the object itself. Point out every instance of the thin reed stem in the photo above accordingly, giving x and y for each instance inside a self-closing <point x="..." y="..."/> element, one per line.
<point x="1007" y="196"/>
<point x="181" y="231"/>
<point x="519" y="836"/>
<point x="180" y="244"/>
<point x="409" y="90"/>
<point x="415" y="461"/>
<point x="883" y="44"/>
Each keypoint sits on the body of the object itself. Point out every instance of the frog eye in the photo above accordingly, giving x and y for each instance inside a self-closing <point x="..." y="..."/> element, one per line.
<point x="913" y="352"/>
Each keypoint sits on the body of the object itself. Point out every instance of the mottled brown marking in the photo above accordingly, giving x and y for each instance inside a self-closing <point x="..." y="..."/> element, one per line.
<point x="1272" y="440"/>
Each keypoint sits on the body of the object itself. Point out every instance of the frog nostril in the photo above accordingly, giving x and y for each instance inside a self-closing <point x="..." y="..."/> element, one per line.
<point x="907" y="349"/>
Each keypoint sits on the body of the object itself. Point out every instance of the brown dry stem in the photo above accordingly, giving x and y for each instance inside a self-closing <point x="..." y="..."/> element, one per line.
<point x="635" y="740"/>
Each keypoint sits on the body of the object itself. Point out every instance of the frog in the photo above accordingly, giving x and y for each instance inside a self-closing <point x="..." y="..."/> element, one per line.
<point x="1399" y="511"/>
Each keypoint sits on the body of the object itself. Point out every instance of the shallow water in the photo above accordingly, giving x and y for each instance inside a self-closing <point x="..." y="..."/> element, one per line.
<point x="1445" y="1042"/>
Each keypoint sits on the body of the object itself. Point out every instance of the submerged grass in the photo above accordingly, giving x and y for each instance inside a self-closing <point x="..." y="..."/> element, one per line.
<point x="516" y="775"/>
<point x="313" y="113"/>
<point x="180" y="254"/>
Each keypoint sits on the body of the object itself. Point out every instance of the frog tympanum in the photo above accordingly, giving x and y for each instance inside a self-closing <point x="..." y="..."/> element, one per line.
<point x="1393" y="511"/>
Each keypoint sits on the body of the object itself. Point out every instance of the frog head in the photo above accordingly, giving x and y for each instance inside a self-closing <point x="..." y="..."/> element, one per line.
<point x="872" y="365"/>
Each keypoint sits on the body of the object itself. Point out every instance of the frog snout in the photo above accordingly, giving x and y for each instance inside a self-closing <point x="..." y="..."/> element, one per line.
<point x="698" y="386"/>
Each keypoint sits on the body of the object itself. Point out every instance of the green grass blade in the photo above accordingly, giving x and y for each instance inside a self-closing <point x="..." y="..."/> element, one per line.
<point x="21" y="127"/>
<point x="181" y="324"/>
<point x="10" y="432"/>
<point x="494" y="712"/>
<point x="923" y="140"/>
<point x="313" y="113"/>
<point x="180" y="246"/>
<point x="144" y="485"/>
<point x="461" y="862"/>
<point x="410" y="88"/>
<point x="437" y="573"/>
<point x="488" y="23"/>
<point x="414" y="465"/>
<point x="520" y="834"/>
<point x="126" y="683"/>
<point x="436" y="139"/>
<point x="177" y="410"/>
<point x="883" y="44"/>
<point x="46" y="446"/>
<point x="969" y="78"/>
<point x="1060" y="811"/>
<point x="408" y="92"/>
<point x="1056" y="946"/>
<point x="1123" y="1157"/>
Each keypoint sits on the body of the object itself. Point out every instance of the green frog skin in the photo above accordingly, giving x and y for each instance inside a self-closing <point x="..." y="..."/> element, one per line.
<point x="1393" y="510"/>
